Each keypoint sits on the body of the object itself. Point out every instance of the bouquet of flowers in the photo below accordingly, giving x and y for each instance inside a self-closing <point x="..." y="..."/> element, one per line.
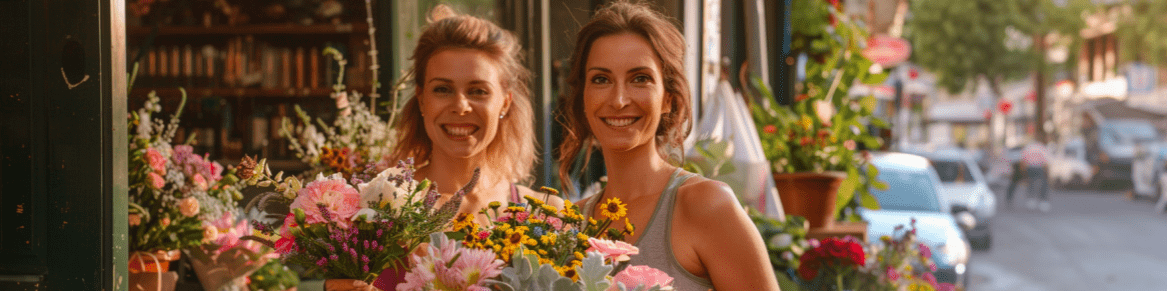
<point x="359" y="140"/>
<point x="227" y="259"/>
<point x="902" y="262"/>
<point x="557" y="236"/>
<point x="355" y="229"/>
<point x="172" y="190"/>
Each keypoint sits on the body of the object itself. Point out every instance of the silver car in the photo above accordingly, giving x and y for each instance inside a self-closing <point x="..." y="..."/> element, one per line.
<point x="966" y="189"/>
<point x="914" y="191"/>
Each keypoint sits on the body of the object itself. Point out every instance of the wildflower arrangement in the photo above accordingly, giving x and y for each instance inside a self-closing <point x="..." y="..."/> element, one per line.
<point x="274" y="276"/>
<point x="359" y="140"/>
<point x="172" y="190"/>
<point x="355" y="229"/>
<point x="449" y="266"/>
<point x="900" y="261"/>
<point x="556" y="236"/>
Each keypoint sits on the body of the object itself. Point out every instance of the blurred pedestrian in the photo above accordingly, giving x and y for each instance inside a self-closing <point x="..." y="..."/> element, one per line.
<point x="1017" y="176"/>
<point x="1035" y="158"/>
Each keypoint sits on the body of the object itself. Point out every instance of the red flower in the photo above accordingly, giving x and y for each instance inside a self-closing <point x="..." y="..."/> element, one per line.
<point x="831" y="252"/>
<point x="806" y="140"/>
<point x="770" y="128"/>
<point x="801" y="97"/>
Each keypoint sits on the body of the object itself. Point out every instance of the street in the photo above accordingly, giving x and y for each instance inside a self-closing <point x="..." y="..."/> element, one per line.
<point x="1090" y="240"/>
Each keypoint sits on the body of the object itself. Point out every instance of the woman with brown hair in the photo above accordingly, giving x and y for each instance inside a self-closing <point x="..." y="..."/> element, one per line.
<point x="629" y="96"/>
<point x="471" y="109"/>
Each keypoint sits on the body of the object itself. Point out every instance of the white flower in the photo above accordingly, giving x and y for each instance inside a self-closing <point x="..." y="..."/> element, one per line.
<point x="380" y="190"/>
<point x="781" y="240"/>
<point x="368" y="213"/>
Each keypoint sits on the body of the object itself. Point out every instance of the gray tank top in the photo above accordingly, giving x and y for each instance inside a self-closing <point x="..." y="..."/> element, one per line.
<point x="655" y="242"/>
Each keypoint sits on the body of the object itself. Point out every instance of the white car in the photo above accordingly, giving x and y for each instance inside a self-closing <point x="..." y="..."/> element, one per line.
<point x="1068" y="165"/>
<point x="915" y="192"/>
<point x="966" y="189"/>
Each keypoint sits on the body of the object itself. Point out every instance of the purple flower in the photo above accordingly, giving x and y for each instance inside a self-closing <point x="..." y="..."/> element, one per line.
<point x="333" y="257"/>
<point x="379" y="233"/>
<point x="321" y="262"/>
<point x="924" y="250"/>
<point x="353" y="252"/>
<point x="365" y="259"/>
<point x="366" y="244"/>
<point x="365" y="268"/>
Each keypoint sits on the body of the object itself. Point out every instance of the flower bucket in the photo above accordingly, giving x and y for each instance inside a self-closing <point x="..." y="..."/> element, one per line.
<point x="224" y="270"/>
<point x="150" y="271"/>
<point x="810" y="195"/>
<point x="348" y="285"/>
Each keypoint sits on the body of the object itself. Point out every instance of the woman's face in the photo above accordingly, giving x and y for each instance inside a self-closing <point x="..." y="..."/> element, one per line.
<point x="623" y="95"/>
<point x="461" y="101"/>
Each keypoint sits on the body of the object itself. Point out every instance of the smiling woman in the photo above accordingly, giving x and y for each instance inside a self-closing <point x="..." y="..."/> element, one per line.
<point x="629" y="98"/>
<point x="471" y="109"/>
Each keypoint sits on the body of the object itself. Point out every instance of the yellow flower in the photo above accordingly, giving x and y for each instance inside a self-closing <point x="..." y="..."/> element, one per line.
<point x="579" y="256"/>
<point x="628" y="226"/>
<point x="542" y="253"/>
<point x="592" y="221"/>
<point x="534" y="221"/>
<point x="613" y="209"/>
<point x="805" y="122"/>
<point x="534" y="201"/>
<point x="549" y="210"/>
<point x="495" y="205"/>
<point x="515" y="209"/>
<point x="464" y="221"/>
<point x="568" y="271"/>
<point x="581" y="237"/>
<point x="548" y="239"/>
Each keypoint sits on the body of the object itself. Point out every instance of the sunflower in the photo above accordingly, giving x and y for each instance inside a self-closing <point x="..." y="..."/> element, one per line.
<point x="613" y="209"/>
<point x="464" y="221"/>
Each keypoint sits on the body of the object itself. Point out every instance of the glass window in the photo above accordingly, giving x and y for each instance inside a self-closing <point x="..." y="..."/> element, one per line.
<point x="907" y="190"/>
<point x="953" y="172"/>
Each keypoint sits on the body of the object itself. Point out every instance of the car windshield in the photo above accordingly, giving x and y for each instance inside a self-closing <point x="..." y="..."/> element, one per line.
<point x="1135" y="131"/>
<point x="907" y="190"/>
<point x="953" y="172"/>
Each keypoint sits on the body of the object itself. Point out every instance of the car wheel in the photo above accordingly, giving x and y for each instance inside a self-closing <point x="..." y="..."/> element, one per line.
<point x="982" y="243"/>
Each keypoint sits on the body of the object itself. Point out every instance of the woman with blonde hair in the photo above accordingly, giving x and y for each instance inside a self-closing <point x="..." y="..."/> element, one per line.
<point x="471" y="109"/>
<point x="629" y="96"/>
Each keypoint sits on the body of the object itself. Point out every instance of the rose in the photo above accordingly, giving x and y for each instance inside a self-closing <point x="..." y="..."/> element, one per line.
<point x="617" y="251"/>
<point x="188" y="206"/>
<point x="338" y="198"/>
<point x="156" y="161"/>
<point x="640" y="275"/>
<point x="165" y="221"/>
<point x="135" y="219"/>
<point x="210" y="232"/>
<point x="156" y="180"/>
<point x="200" y="182"/>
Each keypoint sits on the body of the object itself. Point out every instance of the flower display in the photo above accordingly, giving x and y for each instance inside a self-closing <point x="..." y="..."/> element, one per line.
<point x="351" y="229"/>
<point x="641" y="276"/>
<point x="528" y="271"/>
<point x="899" y="260"/>
<point x="824" y="128"/>
<point x="556" y="236"/>
<point x="831" y="255"/>
<point x="172" y="190"/>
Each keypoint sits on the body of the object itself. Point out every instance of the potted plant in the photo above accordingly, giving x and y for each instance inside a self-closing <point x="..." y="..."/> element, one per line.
<point x="815" y="143"/>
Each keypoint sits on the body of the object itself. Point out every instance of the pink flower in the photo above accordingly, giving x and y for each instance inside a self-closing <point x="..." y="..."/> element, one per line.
<point x="156" y="180"/>
<point x="770" y="128"/>
<point x="188" y="206"/>
<point x="340" y="199"/>
<point x="289" y="222"/>
<point x="469" y="271"/>
<point x="521" y="216"/>
<point x="945" y="287"/>
<point x="640" y="275"/>
<point x="216" y="171"/>
<point x="892" y="275"/>
<point x="475" y="266"/>
<point x="156" y="160"/>
<point x="849" y="145"/>
<point x="616" y="251"/>
<point x="482" y="235"/>
<point x="928" y="277"/>
<point x="135" y="219"/>
<point x="555" y="222"/>
<point x="925" y="251"/>
<point x="165" y="221"/>
<point x="200" y="182"/>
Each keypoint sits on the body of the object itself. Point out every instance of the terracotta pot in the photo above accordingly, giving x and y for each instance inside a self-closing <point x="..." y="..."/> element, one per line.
<point x="810" y="195"/>
<point x="348" y="285"/>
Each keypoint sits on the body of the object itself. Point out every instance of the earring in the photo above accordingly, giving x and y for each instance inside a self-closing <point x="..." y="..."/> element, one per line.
<point x="500" y="116"/>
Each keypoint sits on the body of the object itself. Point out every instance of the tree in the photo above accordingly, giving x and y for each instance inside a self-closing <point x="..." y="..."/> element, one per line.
<point x="962" y="41"/>
<point x="1141" y="33"/>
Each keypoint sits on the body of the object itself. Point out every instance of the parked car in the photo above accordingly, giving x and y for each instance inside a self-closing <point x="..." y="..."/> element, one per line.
<point x="966" y="189"/>
<point x="1112" y="145"/>
<point x="1149" y="170"/>
<point x="1068" y="165"/>
<point x="915" y="192"/>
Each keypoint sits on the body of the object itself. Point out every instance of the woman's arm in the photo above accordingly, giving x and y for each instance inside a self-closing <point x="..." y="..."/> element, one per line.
<point x="724" y="238"/>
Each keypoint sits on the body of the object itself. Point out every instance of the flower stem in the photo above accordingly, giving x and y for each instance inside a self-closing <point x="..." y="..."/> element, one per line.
<point x="839" y="282"/>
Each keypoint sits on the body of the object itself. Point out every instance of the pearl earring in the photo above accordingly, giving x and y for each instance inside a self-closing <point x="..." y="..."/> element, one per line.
<point x="500" y="116"/>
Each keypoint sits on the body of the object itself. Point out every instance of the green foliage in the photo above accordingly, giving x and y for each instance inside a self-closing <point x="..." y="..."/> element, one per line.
<point x="273" y="276"/>
<point x="961" y="41"/>
<point x="1142" y="33"/>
